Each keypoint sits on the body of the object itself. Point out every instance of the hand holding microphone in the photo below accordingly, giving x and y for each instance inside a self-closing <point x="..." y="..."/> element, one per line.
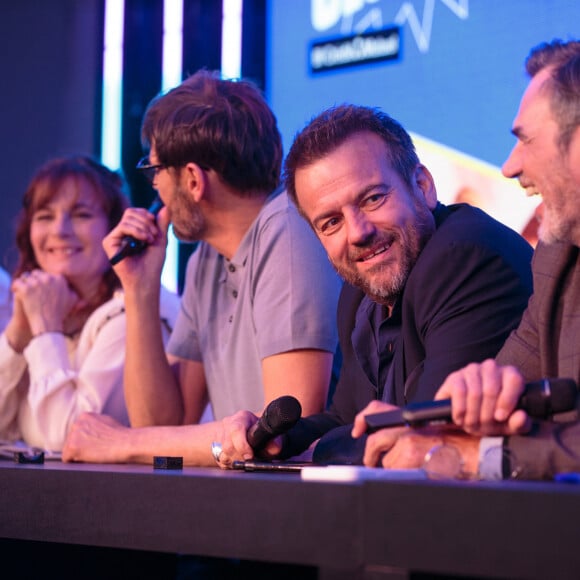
<point x="132" y="246"/>
<point x="279" y="416"/>
<point x="540" y="400"/>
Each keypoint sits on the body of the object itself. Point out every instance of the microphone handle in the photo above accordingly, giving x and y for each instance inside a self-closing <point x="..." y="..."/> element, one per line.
<point x="541" y="399"/>
<point x="413" y="415"/>
<point x="259" y="434"/>
<point x="132" y="246"/>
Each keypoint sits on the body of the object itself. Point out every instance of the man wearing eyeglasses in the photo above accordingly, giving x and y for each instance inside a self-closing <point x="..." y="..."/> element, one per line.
<point x="258" y="310"/>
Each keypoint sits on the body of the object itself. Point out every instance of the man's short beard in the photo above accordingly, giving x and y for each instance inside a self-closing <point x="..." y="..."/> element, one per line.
<point x="553" y="229"/>
<point x="384" y="292"/>
<point x="189" y="224"/>
<point x="387" y="291"/>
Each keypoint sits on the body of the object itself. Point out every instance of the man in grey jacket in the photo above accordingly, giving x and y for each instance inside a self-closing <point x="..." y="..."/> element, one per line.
<point x="546" y="161"/>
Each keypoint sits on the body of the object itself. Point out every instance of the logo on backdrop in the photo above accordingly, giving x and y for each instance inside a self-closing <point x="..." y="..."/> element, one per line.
<point x="355" y="49"/>
<point x="356" y="17"/>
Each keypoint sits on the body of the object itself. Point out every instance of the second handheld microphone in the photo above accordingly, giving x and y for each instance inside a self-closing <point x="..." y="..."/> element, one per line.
<point x="132" y="246"/>
<point x="280" y="415"/>
<point x="540" y="399"/>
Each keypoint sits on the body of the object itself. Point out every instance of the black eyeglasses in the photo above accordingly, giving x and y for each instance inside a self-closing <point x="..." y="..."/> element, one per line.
<point x="149" y="170"/>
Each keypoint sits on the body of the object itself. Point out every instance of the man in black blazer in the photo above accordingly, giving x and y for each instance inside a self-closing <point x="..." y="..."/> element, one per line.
<point x="428" y="288"/>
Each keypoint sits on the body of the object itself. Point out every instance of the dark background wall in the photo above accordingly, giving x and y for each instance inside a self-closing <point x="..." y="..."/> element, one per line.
<point x="50" y="55"/>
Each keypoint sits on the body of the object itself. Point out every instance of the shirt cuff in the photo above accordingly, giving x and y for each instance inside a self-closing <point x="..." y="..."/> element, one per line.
<point x="491" y="458"/>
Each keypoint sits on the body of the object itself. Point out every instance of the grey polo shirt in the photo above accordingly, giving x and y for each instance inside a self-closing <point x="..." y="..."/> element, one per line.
<point x="278" y="293"/>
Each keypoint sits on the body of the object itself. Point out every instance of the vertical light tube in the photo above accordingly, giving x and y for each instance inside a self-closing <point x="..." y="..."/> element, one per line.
<point x="232" y="39"/>
<point x="172" y="57"/>
<point x="112" y="84"/>
<point x="171" y="76"/>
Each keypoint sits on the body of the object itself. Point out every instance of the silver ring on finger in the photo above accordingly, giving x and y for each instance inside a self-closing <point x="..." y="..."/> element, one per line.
<point x="216" y="450"/>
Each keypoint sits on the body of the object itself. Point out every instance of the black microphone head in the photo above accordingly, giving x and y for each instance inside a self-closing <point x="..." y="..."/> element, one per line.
<point x="282" y="414"/>
<point x="564" y="395"/>
<point x="548" y="397"/>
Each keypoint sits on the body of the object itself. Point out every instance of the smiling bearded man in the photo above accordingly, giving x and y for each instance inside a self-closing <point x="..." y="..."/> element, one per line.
<point x="430" y="287"/>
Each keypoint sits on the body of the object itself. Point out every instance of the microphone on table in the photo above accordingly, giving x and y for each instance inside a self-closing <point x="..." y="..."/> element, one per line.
<point x="132" y="246"/>
<point x="540" y="400"/>
<point x="280" y="415"/>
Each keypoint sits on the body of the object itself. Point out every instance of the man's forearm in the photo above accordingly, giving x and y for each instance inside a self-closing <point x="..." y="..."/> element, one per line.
<point x="305" y="432"/>
<point x="152" y="394"/>
<point x="191" y="442"/>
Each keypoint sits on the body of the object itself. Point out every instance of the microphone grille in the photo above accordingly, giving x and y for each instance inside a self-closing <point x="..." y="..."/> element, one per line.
<point x="283" y="412"/>
<point x="564" y="395"/>
<point x="547" y="397"/>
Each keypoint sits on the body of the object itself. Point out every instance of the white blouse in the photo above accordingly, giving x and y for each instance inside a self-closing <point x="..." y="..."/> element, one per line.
<point x="56" y="378"/>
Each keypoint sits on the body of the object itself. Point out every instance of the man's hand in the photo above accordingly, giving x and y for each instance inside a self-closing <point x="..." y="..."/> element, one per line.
<point x="394" y="447"/>
<point x="405" y="447"/>
<point x="142" y="225"/>
<point x="484" y="397"/>
<point x="412" y="446"/>
<point x="380" y="442"/>
<point x="234" y="441"/>
<point x="95" y="438"/>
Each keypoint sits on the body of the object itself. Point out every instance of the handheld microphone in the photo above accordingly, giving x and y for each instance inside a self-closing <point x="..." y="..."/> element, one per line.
<point x="280" y="415"/>
<point x="540" y="400"/>
<point x="132" y="246"/>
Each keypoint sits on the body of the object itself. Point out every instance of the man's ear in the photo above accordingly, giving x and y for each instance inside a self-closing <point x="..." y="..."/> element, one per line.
<point x="194" y="179"/>
<point x="425" y="185"/>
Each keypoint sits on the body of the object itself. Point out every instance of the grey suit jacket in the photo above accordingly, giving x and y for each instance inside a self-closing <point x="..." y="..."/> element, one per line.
<point x="547" y="344"/>
<point x="547" y="341"/>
